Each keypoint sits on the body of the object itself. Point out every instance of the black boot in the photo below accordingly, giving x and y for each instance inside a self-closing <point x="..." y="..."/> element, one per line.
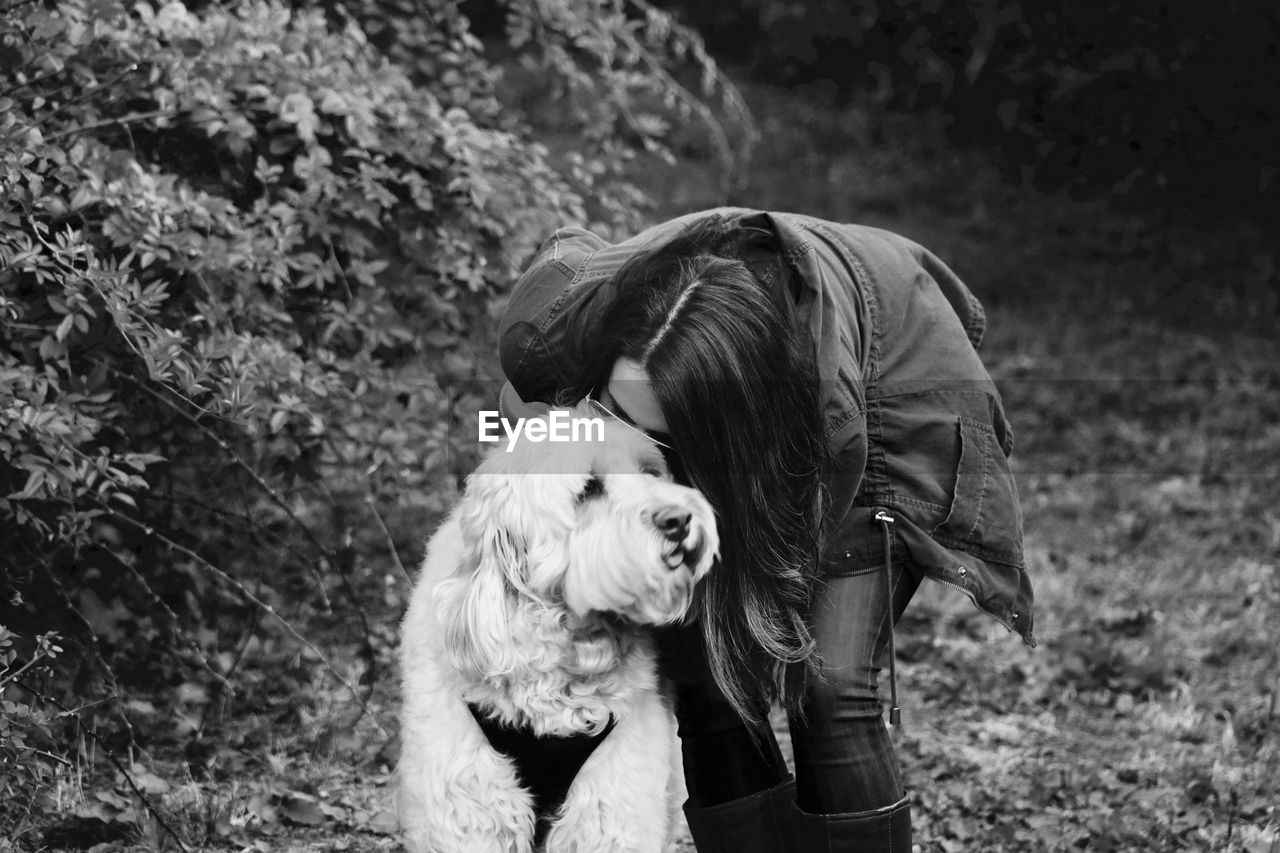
<point x="757" y="823"/>
<point x="883" y="830"/>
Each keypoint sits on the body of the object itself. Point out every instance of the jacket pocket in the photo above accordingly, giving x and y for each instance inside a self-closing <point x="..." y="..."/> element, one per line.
<point x="855" y="547"/>
<point x="985" y="518"/>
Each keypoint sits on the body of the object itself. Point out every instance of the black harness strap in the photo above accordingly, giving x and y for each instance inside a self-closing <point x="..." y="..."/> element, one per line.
<point x="546" y="764"/>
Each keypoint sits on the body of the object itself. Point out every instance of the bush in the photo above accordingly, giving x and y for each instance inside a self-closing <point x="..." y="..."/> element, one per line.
<point x="25" y="731"/>
<point x="249" y="256"/>
<point x="232" y="242"/>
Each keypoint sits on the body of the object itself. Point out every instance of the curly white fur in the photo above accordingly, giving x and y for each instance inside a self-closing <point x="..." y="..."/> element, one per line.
<point x="531" y="604"/>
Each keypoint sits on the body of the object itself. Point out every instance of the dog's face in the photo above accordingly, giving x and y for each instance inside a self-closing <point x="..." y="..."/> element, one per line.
<point x="593" y="524"/>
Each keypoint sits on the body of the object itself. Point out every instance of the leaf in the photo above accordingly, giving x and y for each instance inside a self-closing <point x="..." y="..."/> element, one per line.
<point x="260" y="805"/>
<point x="150" y="783"/>
<point x="297" y="109"/>
<point x="383" y="822"/>
<point x="335" y="812"/>
<point x="112" y="799"/>
<point x="191" y="693"/>
<point x="303" y="809"/>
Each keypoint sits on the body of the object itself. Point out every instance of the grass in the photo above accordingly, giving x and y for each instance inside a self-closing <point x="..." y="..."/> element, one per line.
<point x="1137" y="355"/>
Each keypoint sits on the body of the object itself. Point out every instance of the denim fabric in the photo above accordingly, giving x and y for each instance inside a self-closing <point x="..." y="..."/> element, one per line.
<point x="723" y="759"/>
<point x="844" y="759"/>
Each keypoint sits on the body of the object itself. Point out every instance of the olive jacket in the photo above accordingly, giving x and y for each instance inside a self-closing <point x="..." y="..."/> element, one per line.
<point x="914" y="423"/>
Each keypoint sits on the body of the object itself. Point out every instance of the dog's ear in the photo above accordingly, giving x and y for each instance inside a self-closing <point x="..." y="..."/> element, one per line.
<point x="476" y="604"/>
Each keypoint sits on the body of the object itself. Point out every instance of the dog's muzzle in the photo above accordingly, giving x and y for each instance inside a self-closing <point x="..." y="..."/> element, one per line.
<point x="674" y="523"/>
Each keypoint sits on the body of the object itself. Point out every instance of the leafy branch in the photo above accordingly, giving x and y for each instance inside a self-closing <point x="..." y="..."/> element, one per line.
<point x="248" y="596"/>
<point x="102" y="744"/>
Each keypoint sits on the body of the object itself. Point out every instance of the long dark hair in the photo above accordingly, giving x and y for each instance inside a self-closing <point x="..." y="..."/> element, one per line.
<point x="740" y="393"/>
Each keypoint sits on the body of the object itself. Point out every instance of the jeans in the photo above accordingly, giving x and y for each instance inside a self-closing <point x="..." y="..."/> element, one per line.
<point x="844" y="759"/>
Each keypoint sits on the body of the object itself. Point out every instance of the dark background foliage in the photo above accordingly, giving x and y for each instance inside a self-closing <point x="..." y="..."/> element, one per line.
<point x="1162" y="102"/>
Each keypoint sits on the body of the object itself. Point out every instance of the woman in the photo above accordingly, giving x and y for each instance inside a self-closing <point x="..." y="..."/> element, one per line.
<point x="820" y="384"/>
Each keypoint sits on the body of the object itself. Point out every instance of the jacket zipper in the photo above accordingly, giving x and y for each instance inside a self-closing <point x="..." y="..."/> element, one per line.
<point x="1008" y="625"/>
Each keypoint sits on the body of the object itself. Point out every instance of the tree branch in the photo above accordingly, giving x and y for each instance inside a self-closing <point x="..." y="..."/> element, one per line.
<point x="391" y="545"/>
<point x="131" y="118"/>
<point x="248" y="596"/>
<point x="111" y="756"/>
<point x="257" y="479"/>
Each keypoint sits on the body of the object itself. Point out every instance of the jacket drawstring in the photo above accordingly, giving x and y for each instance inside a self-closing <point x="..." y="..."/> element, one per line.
<point x="886" y="524"/>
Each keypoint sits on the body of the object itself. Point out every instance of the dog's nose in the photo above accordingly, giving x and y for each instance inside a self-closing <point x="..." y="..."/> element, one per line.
<point x="672" y="522"/>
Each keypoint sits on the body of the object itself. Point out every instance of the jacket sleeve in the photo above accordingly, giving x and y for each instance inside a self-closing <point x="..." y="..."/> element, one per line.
<point x="965" y="304"/>
<point x="530" y="338"/>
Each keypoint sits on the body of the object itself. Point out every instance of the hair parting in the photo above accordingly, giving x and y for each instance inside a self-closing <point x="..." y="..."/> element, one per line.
<point x="658" y="336"/>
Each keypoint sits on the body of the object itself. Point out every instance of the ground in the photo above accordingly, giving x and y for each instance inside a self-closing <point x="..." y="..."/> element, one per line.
<point x="1137" y="355"/>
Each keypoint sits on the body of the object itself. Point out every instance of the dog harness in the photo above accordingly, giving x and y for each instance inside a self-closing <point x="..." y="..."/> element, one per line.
<point x="546" y="764"/>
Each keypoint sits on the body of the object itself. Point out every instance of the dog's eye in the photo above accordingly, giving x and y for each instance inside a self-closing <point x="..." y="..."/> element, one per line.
<point x="653" y="466"/>
<point x="594" y="487"/>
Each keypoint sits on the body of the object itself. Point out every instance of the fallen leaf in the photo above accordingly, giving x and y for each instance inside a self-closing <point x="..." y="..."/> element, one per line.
<point x="382" y="823"/>
<point x="303" y="809"/>
<point x="150" y="783"/>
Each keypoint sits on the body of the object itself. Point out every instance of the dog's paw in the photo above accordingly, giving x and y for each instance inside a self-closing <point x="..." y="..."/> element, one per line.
<point x="574" y="834"/>
<point x="601" y="829"/>
<point x="479" y="809"/>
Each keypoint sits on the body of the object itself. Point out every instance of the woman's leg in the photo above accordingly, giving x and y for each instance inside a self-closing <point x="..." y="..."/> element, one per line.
<point x="845" y="761"/>
<point x="722" y="761"/>
<point x="850" y="794"/>
<point x="741" y="796"/>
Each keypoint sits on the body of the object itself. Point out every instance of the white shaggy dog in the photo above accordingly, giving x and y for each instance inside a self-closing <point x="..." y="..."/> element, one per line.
<point x="527" y="621"/>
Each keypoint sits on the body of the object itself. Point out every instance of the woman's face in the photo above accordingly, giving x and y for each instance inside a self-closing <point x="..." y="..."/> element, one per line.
<point x="630" y="395"/>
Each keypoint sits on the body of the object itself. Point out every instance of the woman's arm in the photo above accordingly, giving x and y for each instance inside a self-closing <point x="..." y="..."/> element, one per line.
<point x="531" y="345"/>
